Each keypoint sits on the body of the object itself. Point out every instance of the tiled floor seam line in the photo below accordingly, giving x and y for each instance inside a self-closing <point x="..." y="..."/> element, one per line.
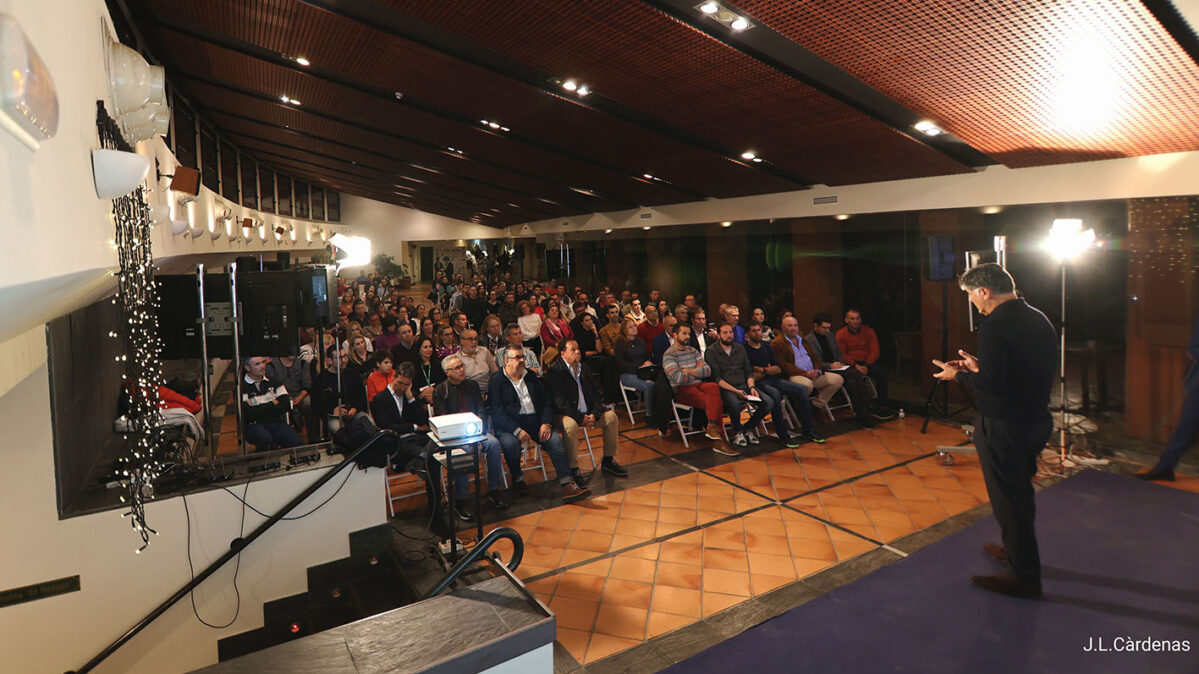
<point x="855" y="478"/>
<point x="703" y="471"/>
<point x="653" y="541"/>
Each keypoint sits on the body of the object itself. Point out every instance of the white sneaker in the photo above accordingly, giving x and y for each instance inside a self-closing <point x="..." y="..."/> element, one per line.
<point x="739" y="440"/>
<point x="753" y="438"/>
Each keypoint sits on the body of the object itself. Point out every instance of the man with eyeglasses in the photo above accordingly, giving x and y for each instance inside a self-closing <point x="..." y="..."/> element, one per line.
<point x="457" y="394"/>
<point x="480" y="364"/>
<point x="521" y="412"/>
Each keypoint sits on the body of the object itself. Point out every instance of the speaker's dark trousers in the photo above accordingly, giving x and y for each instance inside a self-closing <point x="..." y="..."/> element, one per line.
<point x="1008" y="453"/>
<point x="1184" y="433"/>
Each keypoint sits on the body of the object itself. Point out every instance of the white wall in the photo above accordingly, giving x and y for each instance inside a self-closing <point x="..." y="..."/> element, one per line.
<point x="392" y="229"/>
<point x="1153" y="176"/>
<point x="57" y="232"/>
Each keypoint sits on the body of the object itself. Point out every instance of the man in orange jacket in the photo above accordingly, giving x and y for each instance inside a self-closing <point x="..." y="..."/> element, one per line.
<point x="859" y="346"/>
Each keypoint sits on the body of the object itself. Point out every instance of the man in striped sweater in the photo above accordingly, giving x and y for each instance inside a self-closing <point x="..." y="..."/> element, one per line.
<point x="686" y="369"/>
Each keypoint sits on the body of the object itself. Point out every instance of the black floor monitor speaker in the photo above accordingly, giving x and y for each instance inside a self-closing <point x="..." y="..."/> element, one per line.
<point x="270" y="311"/>
<point x="179" y="316"/>
<point x="317" y="286"/>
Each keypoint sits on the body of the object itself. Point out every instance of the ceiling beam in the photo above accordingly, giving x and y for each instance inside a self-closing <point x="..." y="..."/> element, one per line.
<point x="780" y="53"/>
<point x="309" y="110"/>
<point x="390" y="21"/>
<point x="399" y="98"/>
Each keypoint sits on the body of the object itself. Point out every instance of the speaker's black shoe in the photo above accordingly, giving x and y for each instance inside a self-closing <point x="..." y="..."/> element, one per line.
<point x="1010" y="585"/>
<point x="1156" y="475"/>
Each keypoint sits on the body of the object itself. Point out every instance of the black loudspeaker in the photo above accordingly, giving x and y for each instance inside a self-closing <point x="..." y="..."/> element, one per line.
<point x="284" y="259"/>
<point x="941" y="259"/>
<point x="270" y="313"/>
<point x="247" y="263"/>
<point x="319" y="302"/>
<point x="179" y="316"/>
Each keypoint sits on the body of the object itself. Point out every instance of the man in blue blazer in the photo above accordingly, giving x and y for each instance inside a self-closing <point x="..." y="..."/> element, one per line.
<point x="521" y="412"/>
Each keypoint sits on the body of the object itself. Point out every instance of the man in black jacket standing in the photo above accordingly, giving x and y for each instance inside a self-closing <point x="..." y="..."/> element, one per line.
<point x="1011" y="378"/>
<point x="521" y="411"/>
<point x="577" y="404"/>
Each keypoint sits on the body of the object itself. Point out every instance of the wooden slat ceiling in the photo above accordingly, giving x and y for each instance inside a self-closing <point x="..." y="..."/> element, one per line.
<point x="393" y="84"/>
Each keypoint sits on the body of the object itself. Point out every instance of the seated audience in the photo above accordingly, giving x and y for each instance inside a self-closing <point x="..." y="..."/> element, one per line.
<point x="446" y="343"/>
<point x="824" y="347"/>
<point x="554" y="328"/>
<point x="296" y="377"/>
<point x="340" y="393"/>
<point x="381" y="376"/>
<point x="651" y="327"/>
<point x="734" y="375"/>
<point x="521" y="411"/>
<point x="427" y="371"/>
<point x="478" y="362"/>
<point x="686" y="369"/>
<point x="389" y="337"/>
<point x="665" y="338"/>
<point x="759" y="316"/>
<point x="795" y="356"/>
<point x="731" y="315"/>
<point x="611" y="330"/>
<point x="859" y="345"/>
<point x="405" y="349"/>
<point x="530" y="326"/>
<point x="632" y="354"/>
<point x="515" y="338"/>
<point x="458" y="394"/>
<point x="703" y="335"/>
<point x="264" y="407"/>
<point x="635" y="312"/>
<point x="768" y="376"/>
<point x="577" y="405"/>
<point x="360" y="356"/>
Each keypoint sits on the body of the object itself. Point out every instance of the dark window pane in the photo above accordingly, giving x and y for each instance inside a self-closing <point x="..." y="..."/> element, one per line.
<point x="266" y="189"/>
<point x="185" y="144"/>
<point x="284" y="195"/>
<point x="208" y="154"/>
<point x="318" y="203"/>
<point x="301" y="199"/>
<point x="333" y="206"/>
<point x="229" y="186"/>
<point x="249" y="182"/>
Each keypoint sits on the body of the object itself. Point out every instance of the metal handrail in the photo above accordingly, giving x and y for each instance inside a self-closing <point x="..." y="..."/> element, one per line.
<point x="235" y="548"/>
<point x="518" y="551"/>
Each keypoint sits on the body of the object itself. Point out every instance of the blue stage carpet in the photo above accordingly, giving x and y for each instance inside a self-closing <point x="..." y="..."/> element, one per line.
<point x="1120" y="560"/>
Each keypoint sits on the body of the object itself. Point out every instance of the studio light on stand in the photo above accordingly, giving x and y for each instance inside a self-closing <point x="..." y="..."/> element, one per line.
<point x="1066" y="241"/>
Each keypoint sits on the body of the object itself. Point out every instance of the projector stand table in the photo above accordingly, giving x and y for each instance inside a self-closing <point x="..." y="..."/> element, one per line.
<point x="445" y="456"/>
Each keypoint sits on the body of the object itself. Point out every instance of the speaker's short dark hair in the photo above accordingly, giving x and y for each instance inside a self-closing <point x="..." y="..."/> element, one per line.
<point x="988" y="275"/>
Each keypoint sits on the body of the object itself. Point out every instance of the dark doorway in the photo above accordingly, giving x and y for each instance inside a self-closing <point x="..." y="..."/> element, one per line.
<point x="426" y="264"/>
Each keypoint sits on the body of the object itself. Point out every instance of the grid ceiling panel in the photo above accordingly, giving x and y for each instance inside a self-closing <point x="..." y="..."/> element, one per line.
<point x="650" y="61"/>
<point x="1028" y="82"/>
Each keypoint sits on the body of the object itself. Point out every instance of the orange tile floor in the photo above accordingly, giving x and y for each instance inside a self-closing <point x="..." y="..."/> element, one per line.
<point x="628" y="566"/>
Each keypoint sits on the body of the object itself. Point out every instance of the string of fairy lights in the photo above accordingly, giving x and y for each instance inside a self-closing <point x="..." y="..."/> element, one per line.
<point x="140" y="463"/>
<point x="1166" y="247"/>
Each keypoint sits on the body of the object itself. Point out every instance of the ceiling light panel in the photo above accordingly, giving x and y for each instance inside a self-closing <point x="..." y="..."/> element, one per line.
<point x="1027" y="82"/>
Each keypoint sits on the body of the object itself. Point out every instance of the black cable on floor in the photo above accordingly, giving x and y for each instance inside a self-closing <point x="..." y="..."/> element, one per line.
<point x="237" y="568"/>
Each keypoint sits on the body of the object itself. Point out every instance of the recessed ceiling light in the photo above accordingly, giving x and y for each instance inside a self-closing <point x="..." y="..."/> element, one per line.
<point x="842" y="217"/>
<point x="726" y="223"/>
<point x="303" y="61"/>
<point x="928" y="128"/>
<point x="584" y="90"/>
<point x="709" y="8"/>
<point x="648" y="176"/>
<point x="739" y="24"/>
<point x="607" y="231"/>
<point x="570" y="85"/>
<point x="748" y="154"/>
<point x="991" y="210"/>
<point x="285" y="99"/>
<point x="647" y="228"/>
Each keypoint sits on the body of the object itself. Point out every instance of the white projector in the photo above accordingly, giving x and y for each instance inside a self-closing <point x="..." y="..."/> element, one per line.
<point x="453" y="426"/>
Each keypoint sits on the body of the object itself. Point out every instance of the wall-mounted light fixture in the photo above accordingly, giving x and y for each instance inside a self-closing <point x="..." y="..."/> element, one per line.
<point x="28" y="102"/>
<point x="117" y="173"/>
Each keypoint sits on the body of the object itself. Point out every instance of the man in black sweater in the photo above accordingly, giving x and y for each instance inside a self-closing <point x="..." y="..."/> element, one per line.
<point x="264" y="405"/>
<point x="1011" y="378"/>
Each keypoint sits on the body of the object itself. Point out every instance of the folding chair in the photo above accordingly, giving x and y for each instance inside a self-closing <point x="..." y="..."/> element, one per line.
<point x="683" y="433"/>
<point x="828" y="409"/>
<point x="629" y="408"/>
